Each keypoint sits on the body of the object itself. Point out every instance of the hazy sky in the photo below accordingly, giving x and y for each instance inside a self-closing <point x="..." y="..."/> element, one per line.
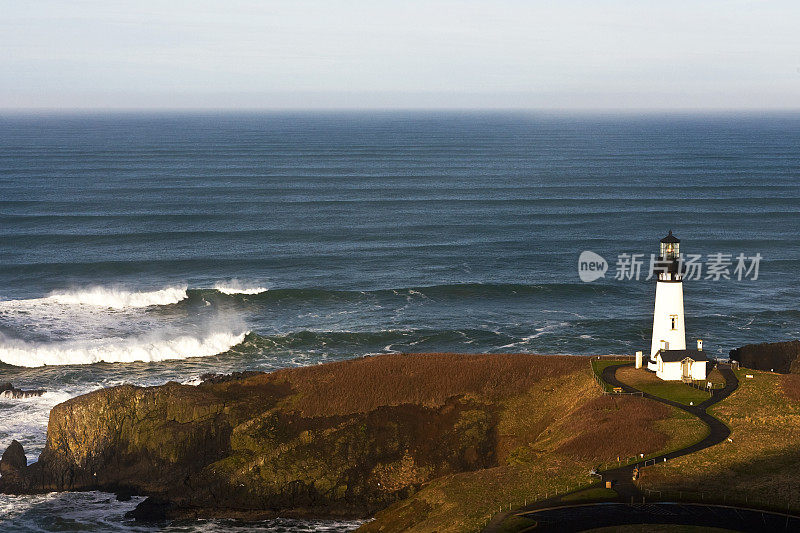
<point x="351" y="54"/>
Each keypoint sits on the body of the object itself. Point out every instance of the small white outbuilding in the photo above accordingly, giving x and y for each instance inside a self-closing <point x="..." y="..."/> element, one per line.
<point x="678" y="365"/>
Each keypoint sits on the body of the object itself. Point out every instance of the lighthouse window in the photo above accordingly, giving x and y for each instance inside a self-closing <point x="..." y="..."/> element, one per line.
<point x="674" y="321"/>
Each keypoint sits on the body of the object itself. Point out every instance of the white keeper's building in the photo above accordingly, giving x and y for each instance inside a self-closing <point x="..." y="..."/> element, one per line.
<point x="677" y="365"/>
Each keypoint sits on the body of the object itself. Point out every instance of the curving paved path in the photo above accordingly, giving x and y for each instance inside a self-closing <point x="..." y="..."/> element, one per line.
<point x="717" y="431"/>
<point x="629" y="494"/>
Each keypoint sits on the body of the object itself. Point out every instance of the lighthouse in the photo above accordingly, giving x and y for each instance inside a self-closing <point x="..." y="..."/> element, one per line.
<point x="669" y="358"/>
<point x="669" y="329"/>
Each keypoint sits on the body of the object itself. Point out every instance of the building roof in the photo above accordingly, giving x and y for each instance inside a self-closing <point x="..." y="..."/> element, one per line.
<point x="674" y="356"/>
<point x="670" y="238"/>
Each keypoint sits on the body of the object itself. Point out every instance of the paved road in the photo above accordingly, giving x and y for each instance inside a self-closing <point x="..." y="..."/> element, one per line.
<point x="629" y="494"/>
<point x="582" y="517"/>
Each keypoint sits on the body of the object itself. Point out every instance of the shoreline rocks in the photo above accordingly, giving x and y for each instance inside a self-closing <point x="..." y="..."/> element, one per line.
<point x="8" y="391"/>
<point x="13" y="465"/>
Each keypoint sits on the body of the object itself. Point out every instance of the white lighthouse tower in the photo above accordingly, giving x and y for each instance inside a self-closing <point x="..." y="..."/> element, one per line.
<point x="669" y="329"/>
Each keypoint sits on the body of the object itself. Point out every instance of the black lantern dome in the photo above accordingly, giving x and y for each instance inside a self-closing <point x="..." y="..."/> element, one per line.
<point x="670" y="248"/>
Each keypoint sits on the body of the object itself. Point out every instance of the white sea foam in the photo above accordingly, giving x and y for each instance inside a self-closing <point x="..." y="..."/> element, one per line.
<point x="25" y="419"/>
<point x="100" y="511"/>
<point x="116" y="350"/>
<point x="118" y="298"/>
<point x="234" y="286"/>
<point x="543" y="330"/>
<point x="88" y="313"/>
<point x="103" y="297"/>
<point x="81" y="511"/>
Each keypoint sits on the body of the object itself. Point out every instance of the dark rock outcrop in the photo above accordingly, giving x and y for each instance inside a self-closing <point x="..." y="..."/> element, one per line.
<point x="13" y="464"/>
<point x="783" y="357"/>
<point x="7" y="390"/>
<point x="153" y="509"/>
<point x="13" y="458"/>
<point x="222" y="378"/>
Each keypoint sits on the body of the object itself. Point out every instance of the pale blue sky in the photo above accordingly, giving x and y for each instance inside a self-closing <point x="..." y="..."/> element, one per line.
<point x="564" y="54"/>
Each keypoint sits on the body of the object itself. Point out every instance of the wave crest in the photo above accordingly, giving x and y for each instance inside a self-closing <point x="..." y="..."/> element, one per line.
<point x="118" y="298"/>
<point x="234" y="286"/>
<point x="147" y="349"/>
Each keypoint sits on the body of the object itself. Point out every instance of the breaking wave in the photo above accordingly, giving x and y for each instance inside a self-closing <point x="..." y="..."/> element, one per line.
<point x="236" y="287"/>
<point x="116" y="350"/>
<point x="113" y="298"/>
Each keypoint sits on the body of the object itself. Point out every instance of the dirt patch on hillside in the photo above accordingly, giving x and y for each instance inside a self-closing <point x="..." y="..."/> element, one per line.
<point x="610" y="426"/>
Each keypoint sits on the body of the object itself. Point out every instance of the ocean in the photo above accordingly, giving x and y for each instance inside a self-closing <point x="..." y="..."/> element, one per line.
<point x="143" y="248"/>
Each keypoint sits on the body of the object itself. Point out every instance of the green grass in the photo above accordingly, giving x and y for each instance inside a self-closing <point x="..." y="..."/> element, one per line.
<point x="684" y="428"/>
<point x="675" y="391"/>
<point x="588" y="495"/>
<point x="669" y="390"/>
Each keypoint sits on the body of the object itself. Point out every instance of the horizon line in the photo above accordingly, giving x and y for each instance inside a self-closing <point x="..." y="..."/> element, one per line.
<point x="558" y="110"/>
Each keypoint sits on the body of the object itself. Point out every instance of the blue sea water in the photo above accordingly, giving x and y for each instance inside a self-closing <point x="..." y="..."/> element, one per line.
<point x="257" y="241"/>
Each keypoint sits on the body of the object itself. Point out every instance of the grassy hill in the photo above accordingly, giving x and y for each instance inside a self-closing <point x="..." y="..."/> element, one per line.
<point x="648" y="382"/>
<point x="761" y="463"/>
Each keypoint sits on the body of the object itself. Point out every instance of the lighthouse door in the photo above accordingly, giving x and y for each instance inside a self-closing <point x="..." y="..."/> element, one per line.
<point x="686" y="369"/>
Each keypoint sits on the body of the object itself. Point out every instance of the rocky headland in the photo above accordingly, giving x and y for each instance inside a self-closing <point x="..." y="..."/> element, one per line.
<point x="345" y="439"/>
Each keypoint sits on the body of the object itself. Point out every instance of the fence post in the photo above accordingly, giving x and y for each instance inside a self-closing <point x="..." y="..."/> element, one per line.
<point x="786" y="527"/>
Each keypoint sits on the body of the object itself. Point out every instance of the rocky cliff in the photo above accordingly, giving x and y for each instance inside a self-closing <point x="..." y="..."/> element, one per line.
<point x="347" y="438"/>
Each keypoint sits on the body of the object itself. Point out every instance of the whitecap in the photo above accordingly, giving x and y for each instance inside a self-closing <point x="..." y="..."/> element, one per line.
<point x="234" y="286"/>
<point x="105" y="297"/>
<point x="115" y="298"/>
<point x="148" y="348"/>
